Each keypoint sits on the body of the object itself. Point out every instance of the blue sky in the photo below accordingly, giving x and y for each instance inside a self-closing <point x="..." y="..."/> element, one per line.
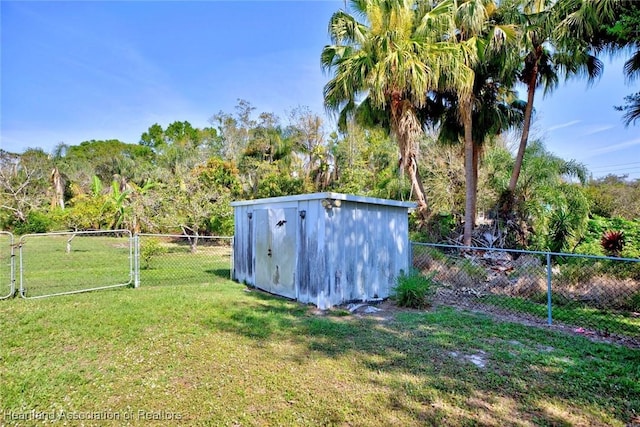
<point x="75" y="71"/>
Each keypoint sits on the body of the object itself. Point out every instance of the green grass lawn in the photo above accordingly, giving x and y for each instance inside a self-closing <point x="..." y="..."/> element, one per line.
<point x="216" y="354"/>
<point x="176" y="264"/>
<point x="608" y="322"/>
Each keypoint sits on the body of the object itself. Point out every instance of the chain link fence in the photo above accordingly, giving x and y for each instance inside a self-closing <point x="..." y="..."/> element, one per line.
<point x="7" y="265"/>
<point x="71" y="262"/>
<point x="164" y="259"/>
<point x="597" y="293"/>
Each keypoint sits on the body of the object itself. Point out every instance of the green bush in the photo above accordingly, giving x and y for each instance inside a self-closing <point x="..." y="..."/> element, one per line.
<point x="37" y="222"/>
<point x="149" y="249"/>
<point x="597" y="226"/>
<point x="414" y="290"/>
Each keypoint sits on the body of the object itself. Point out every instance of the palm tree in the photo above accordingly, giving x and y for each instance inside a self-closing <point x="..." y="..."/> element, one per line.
<point x="621" y="33"/>
<point x="496" y="110"/>
<point x="391" y="61"/>
<point x="566" y="25"/>
<point x="485" y="39"/>
<point x="57" y="178"/>
<point x="631" y="109"/>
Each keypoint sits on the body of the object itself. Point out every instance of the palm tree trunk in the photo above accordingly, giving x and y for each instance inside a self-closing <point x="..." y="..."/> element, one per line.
<point x="57" y="200"/>
<point x="476" y="161"/>
<point x="470" y="201"/>
<point x="416" y="184"/>
<point x="524" y="138"/>
<point x="407" y="128"/>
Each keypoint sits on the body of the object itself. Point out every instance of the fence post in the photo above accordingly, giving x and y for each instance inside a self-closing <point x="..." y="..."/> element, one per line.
<point x="549" y="316"/>
<point x="232" y="261"/>
<point x="22" y="289"/>
<point x="136" y="261"/>
<point x="11" y="265"/>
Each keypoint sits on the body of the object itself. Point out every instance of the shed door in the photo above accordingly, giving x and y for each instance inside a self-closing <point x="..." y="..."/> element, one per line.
<point x="275" y="231"/>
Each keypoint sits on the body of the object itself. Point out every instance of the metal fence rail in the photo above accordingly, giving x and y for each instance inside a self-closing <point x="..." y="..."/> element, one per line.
<point x="599" y="293"/>
<point x="71" y="262"/>
<point x="166" y="259"/>
<point x="7" y="266"/>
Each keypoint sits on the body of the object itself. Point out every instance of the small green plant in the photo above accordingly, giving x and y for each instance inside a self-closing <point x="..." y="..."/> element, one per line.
<point x="414" y="290"/>
<point x="150" y="249"/>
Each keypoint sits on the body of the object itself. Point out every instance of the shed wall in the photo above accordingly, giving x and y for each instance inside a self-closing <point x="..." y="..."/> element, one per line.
<point x="346" y="253"/>
<point x="366" y="247"/>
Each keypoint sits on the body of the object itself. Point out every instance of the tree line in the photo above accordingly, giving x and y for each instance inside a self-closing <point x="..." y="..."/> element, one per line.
<point x="181" y="179"/>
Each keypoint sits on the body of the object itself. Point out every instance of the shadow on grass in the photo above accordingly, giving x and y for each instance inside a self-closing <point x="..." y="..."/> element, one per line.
<point x="426" y="361"/>
<point x="220" y="272"/>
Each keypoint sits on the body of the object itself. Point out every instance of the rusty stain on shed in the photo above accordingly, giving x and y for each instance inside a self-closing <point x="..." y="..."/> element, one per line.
<point x="321" y="248"/>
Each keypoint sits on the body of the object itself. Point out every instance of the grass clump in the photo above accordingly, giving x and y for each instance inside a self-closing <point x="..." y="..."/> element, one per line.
<point x="414" y="290"/>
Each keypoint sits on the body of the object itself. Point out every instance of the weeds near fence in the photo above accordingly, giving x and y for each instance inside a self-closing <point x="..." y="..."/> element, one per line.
<point x="149" y="250"/>
<point x="601" y="293"/>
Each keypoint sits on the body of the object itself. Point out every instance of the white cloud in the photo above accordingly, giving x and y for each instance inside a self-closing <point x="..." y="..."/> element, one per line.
<point x="597" y="129"/>
<point x="613" y="148"/>
<point x="563" y="125"/>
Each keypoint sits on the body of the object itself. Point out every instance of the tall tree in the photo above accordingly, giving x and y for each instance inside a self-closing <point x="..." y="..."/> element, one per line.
<point x="485" y="40"/>
<point x="393" y="57"/>
<point x="234" y="130"/>
<point x="496" y="108"/>
<point x="555" y="38"/>
<point x="307" y="133"/>
<point x="180" y="146"/>
<point x="24" y="182"/>
<point x="57" y="177"/>
<point x="623" y="34"/>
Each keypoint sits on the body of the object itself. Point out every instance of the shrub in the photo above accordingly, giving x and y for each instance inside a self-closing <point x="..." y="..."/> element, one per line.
<point x="613" y="242"/>
<point x="414" y="290"/>
<point x="150" y="249"/>
<point x="37" y="222"/>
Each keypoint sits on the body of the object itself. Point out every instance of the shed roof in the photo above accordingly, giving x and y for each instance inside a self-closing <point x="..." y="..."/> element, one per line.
<point x="326" y="195"/>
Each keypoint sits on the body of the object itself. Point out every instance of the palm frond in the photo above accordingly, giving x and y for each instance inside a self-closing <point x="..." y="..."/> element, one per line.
<point x="632" y="65"/>
<point x="632" y="109"/>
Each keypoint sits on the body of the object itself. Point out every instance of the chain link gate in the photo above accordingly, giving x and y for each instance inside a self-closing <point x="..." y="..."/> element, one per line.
<point x="7" y="265"/>
<point x="70" y="262"/>
<point x="172" y="259"/>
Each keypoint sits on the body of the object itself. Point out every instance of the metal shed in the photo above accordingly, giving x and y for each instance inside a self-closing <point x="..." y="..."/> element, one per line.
<point x="321" y="248"/>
